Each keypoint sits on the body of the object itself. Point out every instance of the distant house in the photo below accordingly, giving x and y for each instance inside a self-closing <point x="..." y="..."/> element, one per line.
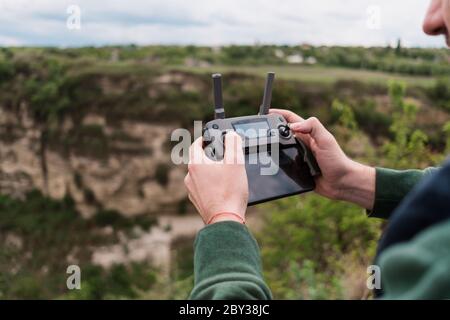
<point x="295" y="59"/>
<point x="311" y="60"/>
<point x="191" y="62"/>
<point x="279" y="53"/>
<point x="216" y="49"/>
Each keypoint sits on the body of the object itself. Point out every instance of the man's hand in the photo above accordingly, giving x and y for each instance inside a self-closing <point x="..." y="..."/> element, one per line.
<point x="342" y="178"/>
<point x="218" y="186"/>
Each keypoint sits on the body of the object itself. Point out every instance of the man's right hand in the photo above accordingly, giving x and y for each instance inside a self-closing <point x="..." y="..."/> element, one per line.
<point x="342" y="178"/>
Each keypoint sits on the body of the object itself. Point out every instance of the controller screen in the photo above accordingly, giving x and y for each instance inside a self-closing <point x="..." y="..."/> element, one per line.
<point x="252" y="128"/>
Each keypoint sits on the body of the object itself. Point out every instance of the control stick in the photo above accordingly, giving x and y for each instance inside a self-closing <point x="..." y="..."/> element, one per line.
<point x="219" y="110"/>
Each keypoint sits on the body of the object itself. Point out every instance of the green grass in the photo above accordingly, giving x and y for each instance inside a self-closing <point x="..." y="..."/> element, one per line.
<point x="317" y="74"/>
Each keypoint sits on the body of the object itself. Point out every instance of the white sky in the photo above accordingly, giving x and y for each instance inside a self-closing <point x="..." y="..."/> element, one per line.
<point x="213" y="22"/>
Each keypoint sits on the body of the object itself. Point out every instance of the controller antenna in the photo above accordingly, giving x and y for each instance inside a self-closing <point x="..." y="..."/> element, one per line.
<point x="267" y="99"/>
<point x="219" y="110"/>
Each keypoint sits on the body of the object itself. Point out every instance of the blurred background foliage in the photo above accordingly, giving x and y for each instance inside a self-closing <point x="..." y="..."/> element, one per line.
<point x="386" y="106"/>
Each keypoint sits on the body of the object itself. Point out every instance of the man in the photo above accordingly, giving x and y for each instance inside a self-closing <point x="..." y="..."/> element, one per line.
<point x="414" y="253"/>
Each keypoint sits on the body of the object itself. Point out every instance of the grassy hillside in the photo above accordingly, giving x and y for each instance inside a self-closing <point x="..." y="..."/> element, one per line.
<point x="317" y="74"/>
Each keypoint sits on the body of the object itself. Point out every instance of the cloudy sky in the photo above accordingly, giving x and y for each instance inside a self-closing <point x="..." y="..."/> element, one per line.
<point x="214" y="22"/>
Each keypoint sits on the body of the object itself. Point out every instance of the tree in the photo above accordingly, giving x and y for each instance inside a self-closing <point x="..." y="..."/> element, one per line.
<point x="398" y="49"/>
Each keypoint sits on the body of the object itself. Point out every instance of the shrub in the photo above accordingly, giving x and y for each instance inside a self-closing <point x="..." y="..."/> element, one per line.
<point x="304" y="241"/>
<point x="6" y="71"/>
<point x="408" y="147"/>
<point x="440" y="92"/>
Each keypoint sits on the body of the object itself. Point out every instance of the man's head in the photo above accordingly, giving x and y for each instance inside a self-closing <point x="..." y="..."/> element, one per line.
<point x="437" y="20"/>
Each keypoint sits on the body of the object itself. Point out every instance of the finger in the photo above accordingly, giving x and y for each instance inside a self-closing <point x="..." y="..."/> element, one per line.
<point x="312" y="127"/>
<point x="287" y="114"/>
<point x="233" y="149"/>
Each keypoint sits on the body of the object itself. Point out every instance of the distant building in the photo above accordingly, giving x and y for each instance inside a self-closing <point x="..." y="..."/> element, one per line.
<point x="295" y="59"/>
<point x="279" y="53"/>
<point x="191" y="62"/>
<point x="311" y="60"/>
<point x="216" y="49"/>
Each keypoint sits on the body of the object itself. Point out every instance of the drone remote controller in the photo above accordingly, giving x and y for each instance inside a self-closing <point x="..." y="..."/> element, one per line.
<point x="267" y="139"/>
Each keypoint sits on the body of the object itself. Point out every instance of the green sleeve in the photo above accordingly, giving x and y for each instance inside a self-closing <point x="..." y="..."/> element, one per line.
<point x="420" y="268"/>
<point x="391" y="187"/>
<point x="227" y="264"/>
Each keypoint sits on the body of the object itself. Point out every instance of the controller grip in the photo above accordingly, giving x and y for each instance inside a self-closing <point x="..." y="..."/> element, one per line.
<point x="310" y="160"/>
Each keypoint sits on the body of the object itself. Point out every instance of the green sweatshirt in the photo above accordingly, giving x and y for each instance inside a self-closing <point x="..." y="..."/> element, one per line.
<point x="227" y="262"/>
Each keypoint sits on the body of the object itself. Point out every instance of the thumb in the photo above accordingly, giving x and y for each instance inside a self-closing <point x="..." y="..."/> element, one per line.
<point x="197" y="154"/>
<point x="233" y="149"/>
